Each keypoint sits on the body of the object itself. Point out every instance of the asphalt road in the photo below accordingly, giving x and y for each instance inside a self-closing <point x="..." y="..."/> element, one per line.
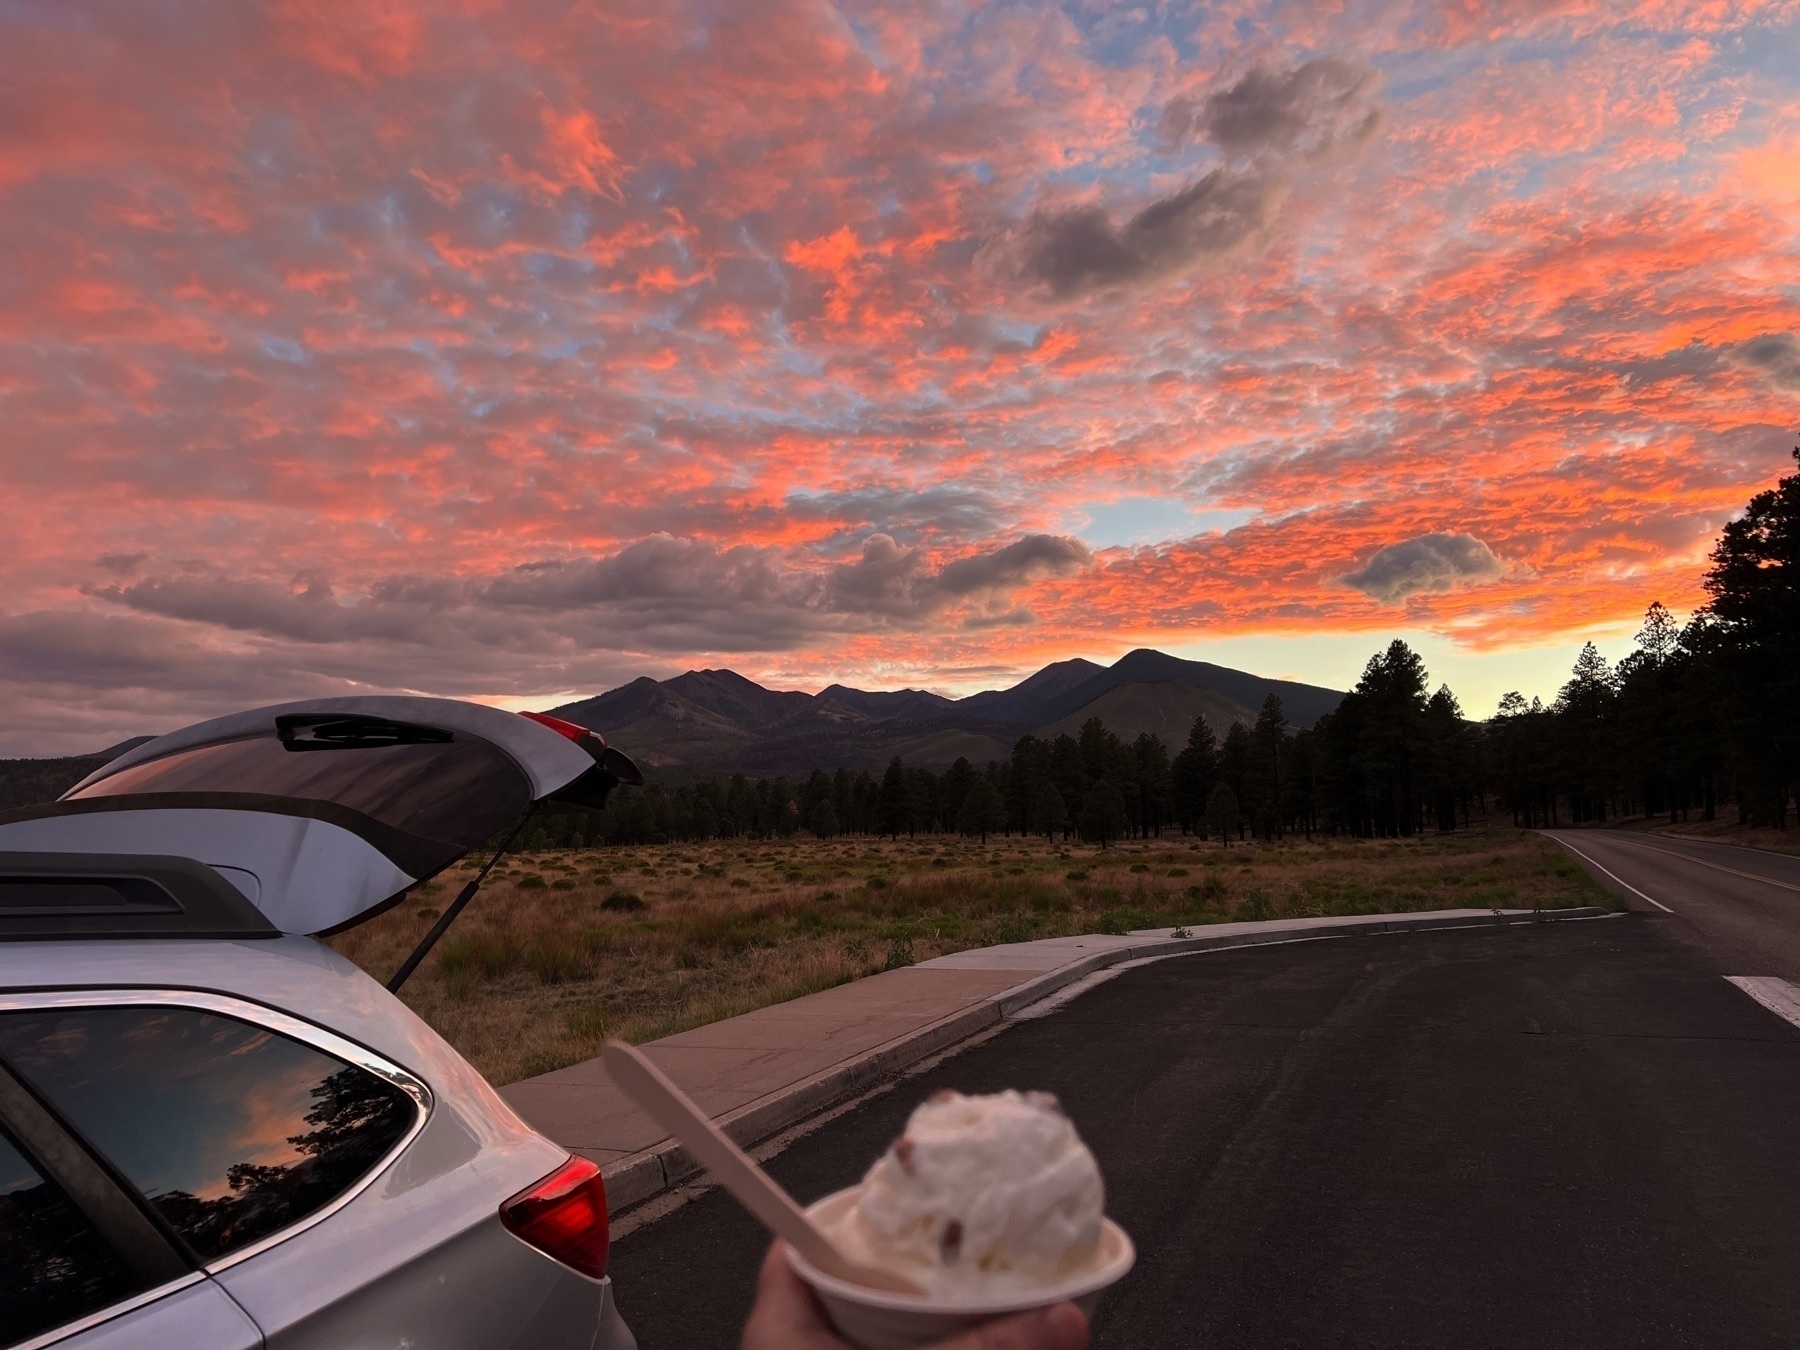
<point x="1738" y="909"/>
<point x="1570" y="1134"/>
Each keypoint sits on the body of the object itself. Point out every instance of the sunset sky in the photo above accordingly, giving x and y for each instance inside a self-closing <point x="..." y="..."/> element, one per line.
<point x="513" y="350"/>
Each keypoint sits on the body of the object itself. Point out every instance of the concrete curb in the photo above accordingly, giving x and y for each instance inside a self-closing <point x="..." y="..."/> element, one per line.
<point x="641" y="1176"/>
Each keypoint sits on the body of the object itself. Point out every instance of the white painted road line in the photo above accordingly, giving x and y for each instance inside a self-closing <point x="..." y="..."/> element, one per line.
<point x="1778" y="996"/>
<point x="1621" y="880"/>
<point x="1701" y="862"/>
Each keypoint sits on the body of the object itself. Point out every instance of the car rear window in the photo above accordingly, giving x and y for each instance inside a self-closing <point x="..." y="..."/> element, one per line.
<point x="232" y="1131"/>
<point x="457" y="791"/>
<point x="54" y="1267"/>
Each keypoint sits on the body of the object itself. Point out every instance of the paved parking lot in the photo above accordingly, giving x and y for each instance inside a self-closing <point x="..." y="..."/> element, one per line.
<point x="1575" y="1134"/>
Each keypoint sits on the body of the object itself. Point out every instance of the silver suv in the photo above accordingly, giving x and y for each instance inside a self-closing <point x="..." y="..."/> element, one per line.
<point x="218" y="1134"/>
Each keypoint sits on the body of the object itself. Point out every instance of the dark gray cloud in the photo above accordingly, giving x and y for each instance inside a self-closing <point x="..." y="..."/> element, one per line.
<point x="73" y="681"/>
<point x="890" y="581"/>
<point x="1310" y="111"/>
<point x="660" y="594"/>
<point x="1034" y="556"/>
<point x="307" y="610"/>
<point x="1267" y="123"/>
<point x="1431" y="562"/>
<point x="1775" y="356"/>
<point x="1077" y="250"/>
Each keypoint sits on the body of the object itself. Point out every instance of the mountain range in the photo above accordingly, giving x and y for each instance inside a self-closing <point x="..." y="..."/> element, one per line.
<point x="718" y="721"/>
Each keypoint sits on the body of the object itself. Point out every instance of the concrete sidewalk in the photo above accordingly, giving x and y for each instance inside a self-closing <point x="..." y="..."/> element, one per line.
<point x="762" y="1072"/>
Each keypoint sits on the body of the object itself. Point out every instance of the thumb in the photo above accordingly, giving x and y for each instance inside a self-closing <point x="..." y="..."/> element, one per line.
<point x="1061" y="1326"/>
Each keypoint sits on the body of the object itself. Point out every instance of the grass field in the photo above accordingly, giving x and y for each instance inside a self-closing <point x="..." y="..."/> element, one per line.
<point x="563" y="949"/>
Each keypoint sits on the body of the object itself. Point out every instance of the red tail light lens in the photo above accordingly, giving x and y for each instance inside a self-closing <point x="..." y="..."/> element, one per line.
<point x="564" y="1216"/>
<point x="574" y="731"/>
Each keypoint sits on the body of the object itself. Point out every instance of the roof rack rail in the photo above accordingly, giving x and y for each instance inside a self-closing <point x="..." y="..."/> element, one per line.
<point x="121" y="895"/>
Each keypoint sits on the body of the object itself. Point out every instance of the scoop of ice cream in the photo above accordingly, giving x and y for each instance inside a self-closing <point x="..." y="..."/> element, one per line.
<point x="981" y="1196"/>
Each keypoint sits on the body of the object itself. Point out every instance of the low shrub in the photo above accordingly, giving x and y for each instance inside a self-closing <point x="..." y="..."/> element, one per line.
<point x="1255" y="907"/>
<point x="623" y="902"/>
<point x="555" y="958"/>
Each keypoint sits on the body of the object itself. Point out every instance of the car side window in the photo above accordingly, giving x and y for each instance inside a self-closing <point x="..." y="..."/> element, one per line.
<point x="230" y="1130"/>
<point x="54" y="1266"/>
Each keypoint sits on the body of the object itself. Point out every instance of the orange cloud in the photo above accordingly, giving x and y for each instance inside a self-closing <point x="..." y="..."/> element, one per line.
<point x="408" y="300"/>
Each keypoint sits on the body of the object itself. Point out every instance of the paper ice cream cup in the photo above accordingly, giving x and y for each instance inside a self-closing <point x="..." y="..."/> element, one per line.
<point x="874" y="1319"/>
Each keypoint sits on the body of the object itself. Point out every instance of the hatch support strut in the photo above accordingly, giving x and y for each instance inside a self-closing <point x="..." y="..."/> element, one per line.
<point x="438" y="929"/>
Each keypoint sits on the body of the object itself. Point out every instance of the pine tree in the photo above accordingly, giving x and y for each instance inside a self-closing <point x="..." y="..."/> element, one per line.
<point x="1754" y="583"/>
<point x="894" y="804"/>
<point x="1051" y="813"/>
<point x="1193" y="773"/>
<point x="983" y="810"/>
<point x="823" y="821"/>
<point x="1103" y="815"/>
<point x="1222" y="813"/>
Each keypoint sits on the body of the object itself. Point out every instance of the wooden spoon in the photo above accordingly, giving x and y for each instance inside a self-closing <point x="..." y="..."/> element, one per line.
<point x="734" y="1169"/>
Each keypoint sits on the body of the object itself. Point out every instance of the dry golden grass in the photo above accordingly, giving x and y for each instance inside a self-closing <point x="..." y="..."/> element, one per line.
<point x="562" y="949"/>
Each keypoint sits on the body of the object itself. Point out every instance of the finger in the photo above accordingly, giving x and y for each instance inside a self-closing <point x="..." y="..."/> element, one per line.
<point x="1061" y="1326"/>
<point x="786" y="1315"/>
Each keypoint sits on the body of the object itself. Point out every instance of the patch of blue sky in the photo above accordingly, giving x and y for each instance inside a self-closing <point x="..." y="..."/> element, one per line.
<point x="1771" y="50"/>
<point x="575" y="228"/>
<point x="1131" y="522"/>
<point x="285" y="349"/>
<point x="1117" y="37"/>
<point x="659" y="181"/>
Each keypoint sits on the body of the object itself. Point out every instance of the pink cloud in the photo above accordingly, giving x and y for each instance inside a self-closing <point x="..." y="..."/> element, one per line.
<point x="336" y="318"/>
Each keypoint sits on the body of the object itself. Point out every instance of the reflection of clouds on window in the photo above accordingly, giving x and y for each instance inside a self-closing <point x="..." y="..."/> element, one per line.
<point x="231" y="1130"/>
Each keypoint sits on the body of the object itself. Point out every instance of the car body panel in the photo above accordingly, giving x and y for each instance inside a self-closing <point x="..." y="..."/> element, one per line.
<point x="294" y="975"/>
<point x="417" y="1256"/>
<point x="549" y="761"/>
<point x="326" y="811"/>
<point x="307" y="876"/>
<point x="335" y="1288"/>
<point x="414" y="1252"/>
<point x="198" y="1315"/>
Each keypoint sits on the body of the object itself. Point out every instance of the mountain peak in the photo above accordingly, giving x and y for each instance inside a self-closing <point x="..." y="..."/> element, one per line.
<point x="719" y="720"/>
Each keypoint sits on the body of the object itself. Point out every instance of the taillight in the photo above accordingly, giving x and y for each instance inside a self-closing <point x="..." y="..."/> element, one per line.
<point x="564" y="1216"/>
<point x="574" y="731"/>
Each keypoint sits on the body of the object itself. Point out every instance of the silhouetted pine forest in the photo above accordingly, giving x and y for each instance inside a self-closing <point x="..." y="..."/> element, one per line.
<point x="1696" y="720"/>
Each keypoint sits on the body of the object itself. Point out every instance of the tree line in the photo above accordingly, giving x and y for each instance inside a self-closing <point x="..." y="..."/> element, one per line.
<point x="1694" y="718"/>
